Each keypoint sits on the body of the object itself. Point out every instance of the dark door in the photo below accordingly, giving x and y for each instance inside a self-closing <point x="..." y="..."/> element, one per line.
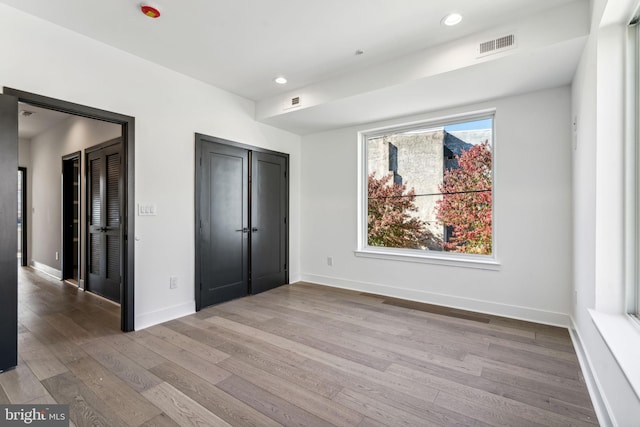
<point x="22" y="217"/>
<point x="71" y="217"/>
<point x="224" y="228"/>
<point x="268" y="222"/>
<point x="8" y="235"/>
<point x="241" y="216"/>
<point x="104" y="215"/>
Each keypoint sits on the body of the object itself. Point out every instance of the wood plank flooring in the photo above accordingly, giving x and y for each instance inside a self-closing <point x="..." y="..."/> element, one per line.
<point x="299" y="355"/>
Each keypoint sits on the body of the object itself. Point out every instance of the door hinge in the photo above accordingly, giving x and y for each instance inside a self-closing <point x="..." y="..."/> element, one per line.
<point x="200" y="161"/>
<point x="285" y="219"/>
<point x="285" y="174"/>
<point x="285" y="266"/>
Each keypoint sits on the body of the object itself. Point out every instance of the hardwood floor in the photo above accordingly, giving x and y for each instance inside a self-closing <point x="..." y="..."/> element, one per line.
<point x="299" y="355"/>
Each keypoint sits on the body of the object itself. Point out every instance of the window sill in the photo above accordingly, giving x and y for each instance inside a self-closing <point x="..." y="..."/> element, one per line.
<point x="621" y="333"/>
<point x="465" y="261"/>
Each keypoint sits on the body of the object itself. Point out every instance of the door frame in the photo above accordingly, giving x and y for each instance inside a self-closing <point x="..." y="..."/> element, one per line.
<point x="24" y="260"/>
<point x="8" y="232"/>
<point x="65" y="243"/>
<point x="127" y="318"/>
<point x="199" y="140"/>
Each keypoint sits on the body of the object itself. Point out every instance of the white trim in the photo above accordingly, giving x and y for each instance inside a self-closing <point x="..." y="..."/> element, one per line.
<point x="294" y="277"/>
<point x="621" y="334"/>
<point x="600" y="404"/>
<point x="44" y="268"/>
<point x="146" y="320"/>
<point x="481" y="306"/>
<point x="632" y="211"/>
<point x="431" y="123"/>
<point x="430" y="257"/>
<point x="488" y="262"/>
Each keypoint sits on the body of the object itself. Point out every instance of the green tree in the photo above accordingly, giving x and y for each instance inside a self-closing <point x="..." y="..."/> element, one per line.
<point x="466" y="204"/>
<point x="390" y="223"/>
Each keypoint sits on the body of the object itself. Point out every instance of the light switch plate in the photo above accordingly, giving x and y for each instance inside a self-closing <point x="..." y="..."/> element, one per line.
<point x="146" y="209"/>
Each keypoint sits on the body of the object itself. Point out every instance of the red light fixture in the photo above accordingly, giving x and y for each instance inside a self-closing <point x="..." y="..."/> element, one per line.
<point x="150" y="11"/>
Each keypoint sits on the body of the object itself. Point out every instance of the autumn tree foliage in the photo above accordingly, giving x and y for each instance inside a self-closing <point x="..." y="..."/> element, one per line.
<point x="390" y="223"/>
<point x="466" y="204"/>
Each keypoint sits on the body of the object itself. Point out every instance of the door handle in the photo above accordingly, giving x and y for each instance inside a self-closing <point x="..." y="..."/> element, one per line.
<point x="254" y="229"/>
<point x="244" y="230"/>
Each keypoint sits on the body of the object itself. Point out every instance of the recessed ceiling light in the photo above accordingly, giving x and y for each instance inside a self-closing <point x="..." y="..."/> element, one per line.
<point x="280" y="80"/>
<point x="452" y="19"/>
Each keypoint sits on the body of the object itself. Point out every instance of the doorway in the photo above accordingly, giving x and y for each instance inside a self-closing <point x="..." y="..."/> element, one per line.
<point x="242" y="205"/>
<point x="22" y="217"/>
<point x="71" y="205"/>
<point x="8" y="203"/>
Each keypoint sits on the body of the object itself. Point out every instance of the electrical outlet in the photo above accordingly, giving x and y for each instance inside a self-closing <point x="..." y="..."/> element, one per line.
<point x="173" y="282"/>
<point x="330" y="261"/>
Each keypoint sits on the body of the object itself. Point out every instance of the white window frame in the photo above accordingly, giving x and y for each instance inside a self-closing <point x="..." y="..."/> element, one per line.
<point x="620" y="330"/>
<point x="632" y="178"/>
<point x="487" y="262"/>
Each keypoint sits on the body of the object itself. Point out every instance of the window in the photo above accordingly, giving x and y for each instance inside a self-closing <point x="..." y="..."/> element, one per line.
<point x="427" y="189"/>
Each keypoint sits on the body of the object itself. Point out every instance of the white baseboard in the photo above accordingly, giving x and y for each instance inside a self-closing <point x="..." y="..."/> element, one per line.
<point x="593" y="385"/>
<point x="44" y="268"/>
<point x="480" y="306"/>
<point x="146" y="320"/>
<point x="294" y="277"/>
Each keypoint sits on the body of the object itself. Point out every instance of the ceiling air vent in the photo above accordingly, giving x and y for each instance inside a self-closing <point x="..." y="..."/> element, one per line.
<point x="293" y="103"/>
<point x="497" y="45"/>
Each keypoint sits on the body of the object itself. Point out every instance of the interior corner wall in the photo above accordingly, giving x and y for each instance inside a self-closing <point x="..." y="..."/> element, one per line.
<point x="532" y="193"/>
<point x="169" y="108"/>
<point x="67" y="137"/>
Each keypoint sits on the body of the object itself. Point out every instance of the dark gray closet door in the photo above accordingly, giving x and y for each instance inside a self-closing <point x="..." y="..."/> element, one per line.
<point x="268" y="222"/>
<point x="224" y="228"/>
<point x="8" y="232"/>
<point x="104" y="211"/>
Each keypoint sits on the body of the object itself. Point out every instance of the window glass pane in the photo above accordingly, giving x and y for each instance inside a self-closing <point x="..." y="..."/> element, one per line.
<point x="430" y="189"/>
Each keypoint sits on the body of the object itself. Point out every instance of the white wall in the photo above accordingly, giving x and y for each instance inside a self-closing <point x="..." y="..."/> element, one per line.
<point x="169" y="108"/>
<point x="69" y="136"/>
<point x="598" y="96"/>
<point x="532" y="217"/>
<point x="24" y="152"/>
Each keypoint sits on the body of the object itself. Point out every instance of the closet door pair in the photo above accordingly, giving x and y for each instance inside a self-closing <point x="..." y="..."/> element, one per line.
<point x="242" y="230"/>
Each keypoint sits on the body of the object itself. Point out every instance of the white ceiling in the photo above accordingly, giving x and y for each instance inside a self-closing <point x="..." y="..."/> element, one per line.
<point x="38" y="122"/>
<point x="242" y="45"/>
